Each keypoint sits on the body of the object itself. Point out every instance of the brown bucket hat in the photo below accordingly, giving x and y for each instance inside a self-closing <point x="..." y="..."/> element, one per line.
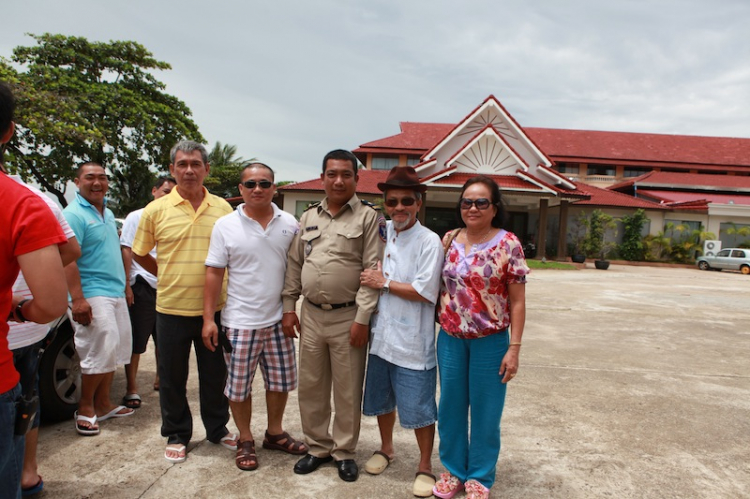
<point x="402" y="177"/>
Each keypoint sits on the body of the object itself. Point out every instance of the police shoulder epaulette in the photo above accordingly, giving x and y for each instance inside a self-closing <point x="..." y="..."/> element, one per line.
<point x="312" y="205"/>
<point x="367" y="203"/>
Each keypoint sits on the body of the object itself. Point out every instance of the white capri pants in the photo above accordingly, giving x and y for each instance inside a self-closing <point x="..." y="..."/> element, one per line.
<point x="107" y="342"/>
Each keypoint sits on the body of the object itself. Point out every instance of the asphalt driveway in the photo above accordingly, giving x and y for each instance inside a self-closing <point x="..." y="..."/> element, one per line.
<point x="634" y="382"/>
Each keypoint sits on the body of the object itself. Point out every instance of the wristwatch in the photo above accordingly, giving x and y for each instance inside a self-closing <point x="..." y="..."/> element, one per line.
<point x="18" y="311"/>
<point x="386" y="287"/>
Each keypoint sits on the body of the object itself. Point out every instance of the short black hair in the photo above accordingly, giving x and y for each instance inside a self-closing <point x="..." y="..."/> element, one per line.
<point x="341" y="154"/>
<point x="163" y="180"/>
<point x="498" y="221"/>
<point x="7" y="107"/>
<point x="80" y="168"/>
<point x="258" y="164"/>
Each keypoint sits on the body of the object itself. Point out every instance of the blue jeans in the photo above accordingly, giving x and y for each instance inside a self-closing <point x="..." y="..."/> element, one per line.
<point x="25" y="360"/>
<point x="11" y="446"/>
<point x="470" y="384"/>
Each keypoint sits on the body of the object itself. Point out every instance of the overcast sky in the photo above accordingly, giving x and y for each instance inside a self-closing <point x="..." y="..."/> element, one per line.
<point x="287" y="81"/>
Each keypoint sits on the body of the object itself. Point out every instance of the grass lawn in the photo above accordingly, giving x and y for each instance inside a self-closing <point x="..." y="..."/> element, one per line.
<point x="538" y="264"/>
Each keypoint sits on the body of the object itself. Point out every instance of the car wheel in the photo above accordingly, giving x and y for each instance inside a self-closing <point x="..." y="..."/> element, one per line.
<point x="745" y="269"/>
<point x="60" y="377"/>
<point x="704" y="266"/>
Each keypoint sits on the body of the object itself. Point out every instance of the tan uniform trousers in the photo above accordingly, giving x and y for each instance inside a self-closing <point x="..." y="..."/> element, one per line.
<point x="326" y="359"/>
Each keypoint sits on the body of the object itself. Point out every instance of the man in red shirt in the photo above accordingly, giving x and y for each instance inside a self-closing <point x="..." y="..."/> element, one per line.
<point x="29" y="236"/>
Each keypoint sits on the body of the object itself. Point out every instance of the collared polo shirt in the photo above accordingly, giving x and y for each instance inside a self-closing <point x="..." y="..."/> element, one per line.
<point x="403" y="331"/>
<point x="100" y="264"/>
<point x="255" y="259"/>
<point x="181" y="236"/>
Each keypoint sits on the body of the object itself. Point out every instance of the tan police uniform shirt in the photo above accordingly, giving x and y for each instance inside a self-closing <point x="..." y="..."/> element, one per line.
<point x="329" y="253"/>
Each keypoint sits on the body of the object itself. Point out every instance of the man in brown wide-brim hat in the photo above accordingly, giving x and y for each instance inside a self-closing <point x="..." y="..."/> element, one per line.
<point x="401" y="369"/>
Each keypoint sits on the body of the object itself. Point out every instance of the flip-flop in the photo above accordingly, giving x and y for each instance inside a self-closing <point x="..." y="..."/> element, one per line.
<point x="34" y="489"/>
<point x="179" y="450"/>
<point x="229" y="437"/>
<point x="378" y="463"/>
<point x="85" y="430"/>
<point x="132" y="401"/>
<point x="115" y="413"/>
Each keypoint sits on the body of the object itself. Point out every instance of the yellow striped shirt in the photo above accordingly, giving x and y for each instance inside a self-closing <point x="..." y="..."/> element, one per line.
<point x="181" y="236"/>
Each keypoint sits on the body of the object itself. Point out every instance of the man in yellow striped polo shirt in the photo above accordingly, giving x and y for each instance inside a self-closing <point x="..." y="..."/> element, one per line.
<point x="179" y="225"/>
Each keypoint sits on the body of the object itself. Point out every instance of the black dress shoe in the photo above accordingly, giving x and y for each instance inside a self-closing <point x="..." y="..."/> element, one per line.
<point x="310" y="463"/>
<point x="348" y="470"/>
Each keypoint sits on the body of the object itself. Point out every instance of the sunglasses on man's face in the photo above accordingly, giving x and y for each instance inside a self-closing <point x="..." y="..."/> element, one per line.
<point x="264" y="184"/>
<point x="481" y="203"/>
<point x="393" y="202"/>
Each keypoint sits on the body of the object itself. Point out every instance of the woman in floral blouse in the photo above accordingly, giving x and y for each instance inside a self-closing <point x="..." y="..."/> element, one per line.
<point x="483" y="297"/>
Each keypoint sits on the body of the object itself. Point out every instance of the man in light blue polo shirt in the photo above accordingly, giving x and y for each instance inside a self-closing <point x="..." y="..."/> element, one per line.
<point x="99" y="312"/>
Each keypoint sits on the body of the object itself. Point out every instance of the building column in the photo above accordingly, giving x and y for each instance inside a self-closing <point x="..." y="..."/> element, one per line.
<point x="562" y="235"/>
<point x="541" y="237"/>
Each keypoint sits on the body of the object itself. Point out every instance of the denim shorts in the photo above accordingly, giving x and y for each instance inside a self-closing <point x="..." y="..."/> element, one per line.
<point x="389" y="386"/>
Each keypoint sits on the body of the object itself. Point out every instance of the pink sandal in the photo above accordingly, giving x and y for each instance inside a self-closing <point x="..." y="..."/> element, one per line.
<point x="475" y="490"/>
<point x="447" y="487"/>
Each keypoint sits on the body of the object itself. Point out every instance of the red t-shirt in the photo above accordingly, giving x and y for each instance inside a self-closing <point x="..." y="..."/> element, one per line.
<point x="26" y="225"/>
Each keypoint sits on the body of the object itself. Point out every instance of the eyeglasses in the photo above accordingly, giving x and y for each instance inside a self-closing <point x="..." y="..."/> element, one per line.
<point x="481" y="203"/>
<point x="393" y="202"/>
<point x="251" y="184"/>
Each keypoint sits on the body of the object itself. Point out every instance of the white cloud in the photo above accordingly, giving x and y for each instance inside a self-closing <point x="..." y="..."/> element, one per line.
<point x="290" y="80"/>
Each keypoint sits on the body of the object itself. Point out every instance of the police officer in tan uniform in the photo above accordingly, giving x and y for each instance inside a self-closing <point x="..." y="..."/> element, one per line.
<point x="338" y="238"/>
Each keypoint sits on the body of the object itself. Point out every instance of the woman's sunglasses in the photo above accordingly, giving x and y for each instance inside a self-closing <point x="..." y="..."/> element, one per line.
<point x="481" y="203"/>
<point x="264" y="184"/>
<point x="393" y="202"/>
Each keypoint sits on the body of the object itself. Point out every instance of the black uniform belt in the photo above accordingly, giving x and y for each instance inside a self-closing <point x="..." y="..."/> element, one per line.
<point x="331" y="306"/>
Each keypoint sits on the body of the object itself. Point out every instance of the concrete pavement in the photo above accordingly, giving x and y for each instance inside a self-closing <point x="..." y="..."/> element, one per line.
<point x="634" y="382"/>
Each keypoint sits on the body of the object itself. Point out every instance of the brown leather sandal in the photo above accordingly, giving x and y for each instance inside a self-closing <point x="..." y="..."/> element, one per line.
<point x="285" y="443"/>
<point x="246" y="459"/>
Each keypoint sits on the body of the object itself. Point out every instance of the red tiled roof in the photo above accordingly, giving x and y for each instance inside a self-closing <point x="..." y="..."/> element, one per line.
<point x="593" y="146"/>
<point x="646" y="147"/>
<point x="692" y="180"/>
<point x="367" y="183"/>
<point x="414" y="136"/>
<point x="605" y="197"/>
<point x="684" y="197"/>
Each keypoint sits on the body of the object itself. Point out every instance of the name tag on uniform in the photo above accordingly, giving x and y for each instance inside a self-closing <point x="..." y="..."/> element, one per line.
<point x="312" y="227"/>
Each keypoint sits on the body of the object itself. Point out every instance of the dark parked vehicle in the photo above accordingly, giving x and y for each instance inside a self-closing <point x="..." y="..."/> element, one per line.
<point x="59" y="374"/>
<point x="728" y="258"/>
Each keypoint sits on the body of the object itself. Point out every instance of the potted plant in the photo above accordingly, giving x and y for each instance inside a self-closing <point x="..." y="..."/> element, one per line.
<point x="599" y="245"/>
<point x="578" y="234"/>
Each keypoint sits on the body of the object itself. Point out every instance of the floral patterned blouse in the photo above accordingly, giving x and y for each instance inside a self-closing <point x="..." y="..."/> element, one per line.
<point x="474" y="292"/>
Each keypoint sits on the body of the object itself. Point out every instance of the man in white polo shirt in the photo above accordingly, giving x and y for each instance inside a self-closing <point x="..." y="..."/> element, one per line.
<point x="252" y="245"/>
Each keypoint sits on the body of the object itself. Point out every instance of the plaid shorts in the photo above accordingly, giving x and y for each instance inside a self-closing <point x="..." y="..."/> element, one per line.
<point x="267" y="346"/>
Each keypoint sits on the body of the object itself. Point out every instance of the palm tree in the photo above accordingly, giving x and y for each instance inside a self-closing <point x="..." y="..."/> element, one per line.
<point x="225" y="170"/>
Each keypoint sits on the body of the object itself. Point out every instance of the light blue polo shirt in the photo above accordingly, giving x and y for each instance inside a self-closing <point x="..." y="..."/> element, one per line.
<point x="101" y="267"/>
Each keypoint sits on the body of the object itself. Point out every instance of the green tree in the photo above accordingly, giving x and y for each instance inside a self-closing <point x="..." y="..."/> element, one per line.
<point x="92" y="101"/>
<point x="633" y="247"/>
<point x="225" y="170"/>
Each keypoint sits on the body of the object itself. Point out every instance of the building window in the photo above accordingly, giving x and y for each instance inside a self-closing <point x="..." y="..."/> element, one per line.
<point x="384" y="163"/>
<point x="300" y="207"/>
<point x="634" y="172"/>
<point x="412" y="161"/>
<point x="568" y="168"/>
<point x="601" y="170"/>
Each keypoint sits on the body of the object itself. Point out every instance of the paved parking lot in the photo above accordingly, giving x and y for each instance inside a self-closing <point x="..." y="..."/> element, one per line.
<point x="634" y="382"/>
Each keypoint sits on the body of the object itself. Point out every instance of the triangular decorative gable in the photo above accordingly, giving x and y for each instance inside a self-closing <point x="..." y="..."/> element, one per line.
<point x="487" y="152"/>
<point x="488" y="115"/>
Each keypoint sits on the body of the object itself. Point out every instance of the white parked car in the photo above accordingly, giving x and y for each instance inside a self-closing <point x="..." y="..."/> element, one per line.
<point x="728" y="258"/>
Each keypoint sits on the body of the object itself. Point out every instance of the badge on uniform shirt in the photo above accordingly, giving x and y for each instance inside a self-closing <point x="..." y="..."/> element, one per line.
<point x="312" y="227"/>
<point x="381" y="227"/>
<point x="308" y="248"/>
